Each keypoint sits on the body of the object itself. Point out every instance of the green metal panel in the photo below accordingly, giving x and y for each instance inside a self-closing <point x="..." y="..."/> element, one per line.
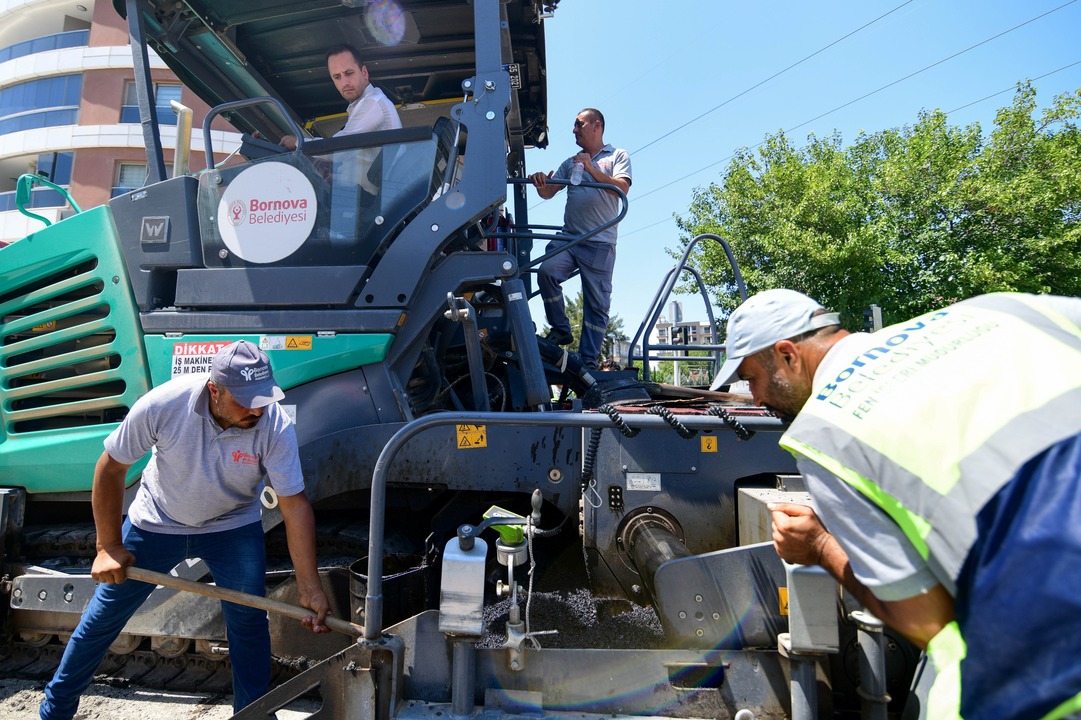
<point x="296" y="359"/>
<point x="71" y="364"/>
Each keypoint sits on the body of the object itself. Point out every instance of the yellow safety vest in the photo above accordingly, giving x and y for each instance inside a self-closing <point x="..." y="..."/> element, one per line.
<point x="930" y="418"/>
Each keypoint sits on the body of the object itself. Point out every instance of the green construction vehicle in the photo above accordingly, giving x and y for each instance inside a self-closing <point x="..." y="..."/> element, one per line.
<point x="395" y="311"/>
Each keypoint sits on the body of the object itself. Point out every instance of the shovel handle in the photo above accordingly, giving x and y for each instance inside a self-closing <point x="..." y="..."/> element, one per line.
<point x="240" y="598"/>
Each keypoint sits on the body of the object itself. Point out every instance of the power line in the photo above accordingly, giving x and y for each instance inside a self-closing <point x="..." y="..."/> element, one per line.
<point x="1012" y="87"/>
<point x="867" y="95"/>
<point x="771" y="77"/>
<point x="763" y="82"/>
<point x="961" y="107"/>
<point x="934" y="64"/>
<point x="647" y="227"/>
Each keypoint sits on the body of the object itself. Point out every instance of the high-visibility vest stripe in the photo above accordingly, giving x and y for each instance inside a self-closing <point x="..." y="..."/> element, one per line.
<point x="946" y="649"/>
<point x="1066" y="709"/>
<point x="921" y="422"/>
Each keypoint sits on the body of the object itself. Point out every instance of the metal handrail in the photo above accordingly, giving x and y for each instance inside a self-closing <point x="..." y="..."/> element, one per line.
<point x="528" y="232"/>
<point x="645" y="330"/>
<point x="236" y="105"/>
<point x="23" y="189"/>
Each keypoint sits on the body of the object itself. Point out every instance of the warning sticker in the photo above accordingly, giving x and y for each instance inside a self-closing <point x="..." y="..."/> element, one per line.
<point x="285" y="342"/>
<point x="709" y="443"/>
<point x="195" y="357"/>
<point x="472" y="436"/>
<point x="784" y="599"/>
<point x="646" y="482"/>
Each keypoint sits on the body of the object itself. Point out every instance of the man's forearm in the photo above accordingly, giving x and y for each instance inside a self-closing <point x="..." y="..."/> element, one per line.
<point x="107" y="500"/>
<point x="620" y="182"/>
<point x="300" y="534"/>
<point x="835" y="561"/>
<point x="918" y="618"/>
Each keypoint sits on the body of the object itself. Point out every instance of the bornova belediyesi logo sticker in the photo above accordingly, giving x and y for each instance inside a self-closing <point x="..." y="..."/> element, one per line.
<point x="267" y="212"/>
<point x="236" y="213"/>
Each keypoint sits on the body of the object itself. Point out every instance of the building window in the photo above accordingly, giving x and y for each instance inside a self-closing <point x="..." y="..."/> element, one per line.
<point x="40" y="103"/>
<point x="59" y="41"/>
<point x="132" y="176"/>
<point x="129" y="176"/>
<point x="164" y="94"/>
<point x="56" y="167"/>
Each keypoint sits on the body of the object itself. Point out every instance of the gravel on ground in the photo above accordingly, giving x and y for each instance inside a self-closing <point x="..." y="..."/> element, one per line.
<point x="19" y="701"/>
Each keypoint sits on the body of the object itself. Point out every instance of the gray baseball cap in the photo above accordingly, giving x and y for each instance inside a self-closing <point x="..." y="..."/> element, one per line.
<point x="244" y="370"/>
<point x="767" y="318"/>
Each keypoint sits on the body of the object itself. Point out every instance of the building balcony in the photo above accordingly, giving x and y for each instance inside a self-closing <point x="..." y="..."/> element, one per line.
<point x="69" y="61"/>
<point x="74" y="137"/>
<point x="24" y="21"/>
<point x="57" y="41"/>
<point x="15" y="225"/>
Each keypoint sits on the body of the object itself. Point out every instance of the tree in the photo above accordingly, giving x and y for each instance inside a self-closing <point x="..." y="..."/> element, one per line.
<point x="909" y="219"/>
<point x="611" y="336"/>
<point x="665" y="372"/>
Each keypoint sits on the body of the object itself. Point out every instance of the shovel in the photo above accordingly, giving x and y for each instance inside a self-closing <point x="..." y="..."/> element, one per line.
<point x="240" y="598"/>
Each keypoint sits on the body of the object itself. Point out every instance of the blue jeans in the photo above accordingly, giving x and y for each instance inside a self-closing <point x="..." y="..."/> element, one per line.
<point x="237" y="558"/>
<point x="595" y="262"/>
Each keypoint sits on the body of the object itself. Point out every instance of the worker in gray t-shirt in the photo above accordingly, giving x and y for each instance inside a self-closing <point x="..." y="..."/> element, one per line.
<point x="215" y="441"/>
<point x="587" y="209"/>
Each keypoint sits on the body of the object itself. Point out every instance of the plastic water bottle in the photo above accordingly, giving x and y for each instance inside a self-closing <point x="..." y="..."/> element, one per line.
<point x="576" y="173"/>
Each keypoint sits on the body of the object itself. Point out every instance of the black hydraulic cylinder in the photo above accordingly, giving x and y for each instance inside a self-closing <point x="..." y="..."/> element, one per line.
<point x="525" y="342"/>
<point x="651" y="547"/>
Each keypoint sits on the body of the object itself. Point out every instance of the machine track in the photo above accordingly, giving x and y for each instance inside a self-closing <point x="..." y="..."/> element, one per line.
<point x="170" y="663"/>
<point x="190" y="672"/>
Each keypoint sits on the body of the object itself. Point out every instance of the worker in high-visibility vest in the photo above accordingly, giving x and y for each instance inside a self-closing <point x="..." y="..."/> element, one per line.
<point x="943" y="455"/>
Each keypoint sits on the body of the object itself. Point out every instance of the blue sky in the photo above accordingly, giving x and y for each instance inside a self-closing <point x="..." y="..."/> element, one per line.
<point x="652" y="67"/>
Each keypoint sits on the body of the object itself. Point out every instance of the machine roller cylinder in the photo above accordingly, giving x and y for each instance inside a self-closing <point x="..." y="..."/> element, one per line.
<point x="651" y="546"/>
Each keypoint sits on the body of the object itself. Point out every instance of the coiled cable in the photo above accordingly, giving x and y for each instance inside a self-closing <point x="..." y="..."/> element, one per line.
<point x="670" y="418"/>
<point x="741" y="432"/>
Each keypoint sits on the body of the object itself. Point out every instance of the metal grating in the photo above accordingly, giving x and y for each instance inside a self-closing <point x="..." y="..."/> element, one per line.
<point x="59" y="358"/>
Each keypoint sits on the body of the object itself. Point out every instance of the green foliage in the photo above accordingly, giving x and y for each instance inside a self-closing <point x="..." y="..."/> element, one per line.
<point x="664" y="372"/>
<point x="909" y="219"/>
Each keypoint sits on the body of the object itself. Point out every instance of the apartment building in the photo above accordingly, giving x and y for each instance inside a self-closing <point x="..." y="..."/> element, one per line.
<point x="684" y="332"/>
<point x="68" y="109"/>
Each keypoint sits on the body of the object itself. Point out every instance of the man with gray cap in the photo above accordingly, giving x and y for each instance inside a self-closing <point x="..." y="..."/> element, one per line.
<point x="214" y="442"/>
<point x="934" y="451"/>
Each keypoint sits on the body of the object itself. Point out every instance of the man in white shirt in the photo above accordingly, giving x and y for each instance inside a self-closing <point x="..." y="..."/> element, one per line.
<point x="369" y="108"/>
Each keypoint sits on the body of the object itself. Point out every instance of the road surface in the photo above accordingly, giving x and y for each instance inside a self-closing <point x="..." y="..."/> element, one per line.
<point x="19" y="701"/>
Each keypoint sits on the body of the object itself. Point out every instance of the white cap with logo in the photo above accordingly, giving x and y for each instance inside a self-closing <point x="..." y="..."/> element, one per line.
<point x="767" y="318"/>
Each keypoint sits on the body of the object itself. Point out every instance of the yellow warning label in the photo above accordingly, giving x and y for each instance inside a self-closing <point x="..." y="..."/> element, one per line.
<point x="285" y="342"/>
<point x="709" y="443"/>
<point x="784" y="600"/>
<point x="298" y="342"/>
<point x="472" y="436"/>
<point x="46" y="326"/>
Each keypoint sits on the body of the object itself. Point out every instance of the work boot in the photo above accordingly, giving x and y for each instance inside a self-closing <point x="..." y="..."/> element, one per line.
<point x="559" y="337"/>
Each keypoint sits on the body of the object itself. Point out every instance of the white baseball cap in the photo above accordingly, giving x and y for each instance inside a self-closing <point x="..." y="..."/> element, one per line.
<point x="765" y="319"/>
